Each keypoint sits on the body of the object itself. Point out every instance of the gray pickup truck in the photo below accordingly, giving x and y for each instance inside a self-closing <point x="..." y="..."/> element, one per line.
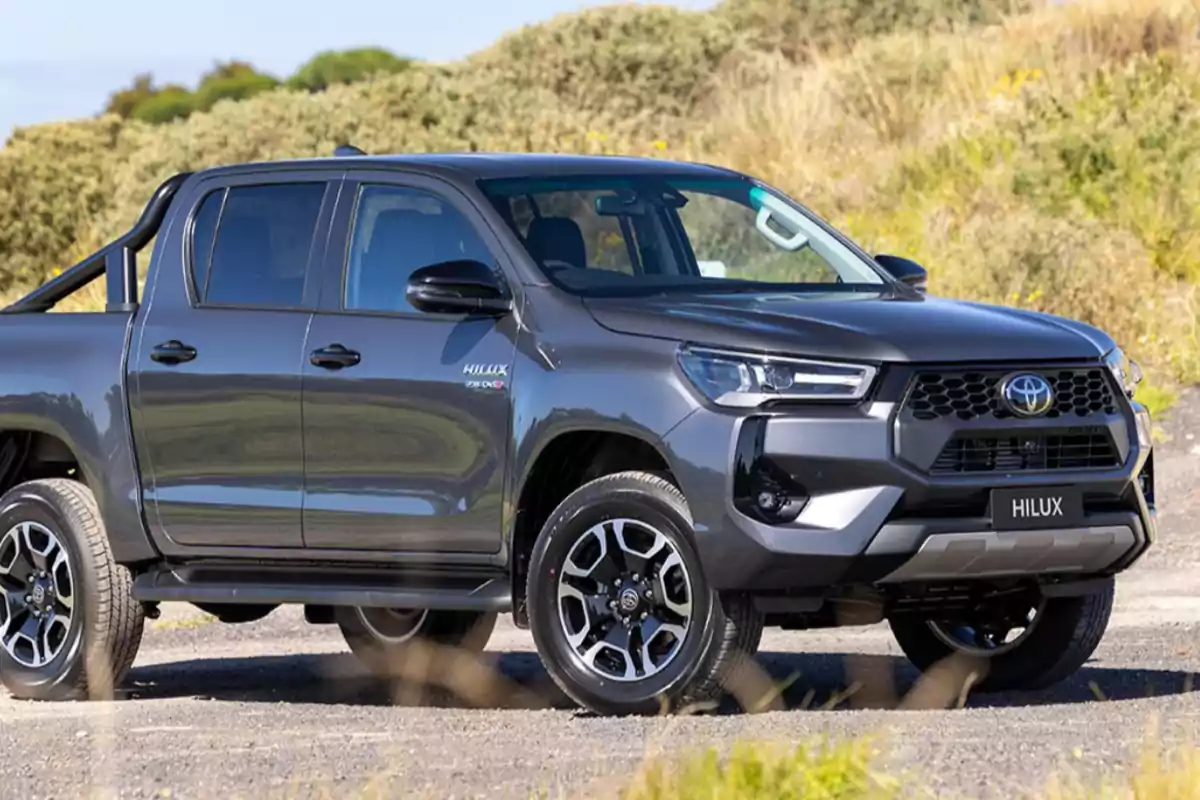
<point x="646" y="407"/>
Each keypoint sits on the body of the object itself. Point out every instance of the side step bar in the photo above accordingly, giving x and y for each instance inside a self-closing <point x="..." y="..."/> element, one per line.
<point x="257" y="584"/>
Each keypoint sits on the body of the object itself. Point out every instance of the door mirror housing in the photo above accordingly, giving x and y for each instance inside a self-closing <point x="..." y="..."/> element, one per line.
<point x="465" y="286"/>
<point x="904" y="270"/>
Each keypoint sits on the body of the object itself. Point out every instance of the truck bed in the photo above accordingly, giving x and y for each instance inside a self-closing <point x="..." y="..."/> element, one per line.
<point x="64" y="376"/>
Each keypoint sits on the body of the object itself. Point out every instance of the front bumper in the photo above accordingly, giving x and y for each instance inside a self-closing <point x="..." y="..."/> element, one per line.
<point x="993" y="554"/>
<point x="871" y="517"/>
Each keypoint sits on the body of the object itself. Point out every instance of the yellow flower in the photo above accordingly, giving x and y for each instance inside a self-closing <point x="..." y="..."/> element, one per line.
<point x="660" y="144"/>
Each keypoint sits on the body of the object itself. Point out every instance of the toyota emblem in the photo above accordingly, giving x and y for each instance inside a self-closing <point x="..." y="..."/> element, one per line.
<point x="1027" y="394"/>
<point x="629" y="600"/>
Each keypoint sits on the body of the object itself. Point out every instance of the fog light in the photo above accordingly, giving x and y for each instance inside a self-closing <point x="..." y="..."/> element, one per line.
<point x="770" y="502"/>
<point x="761" y="490"/>
<point x="777" y="499"/>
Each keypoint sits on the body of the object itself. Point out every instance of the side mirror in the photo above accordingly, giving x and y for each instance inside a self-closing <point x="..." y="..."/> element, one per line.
<point x="904" y="270"/>
<point x="457" y="287"/>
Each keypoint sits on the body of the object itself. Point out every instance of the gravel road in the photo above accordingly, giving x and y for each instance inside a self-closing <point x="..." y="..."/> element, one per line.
<point x="279" y="708"/>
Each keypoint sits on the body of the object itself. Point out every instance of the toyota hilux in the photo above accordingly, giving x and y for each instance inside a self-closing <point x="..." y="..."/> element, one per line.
<point x="645" y="407"/>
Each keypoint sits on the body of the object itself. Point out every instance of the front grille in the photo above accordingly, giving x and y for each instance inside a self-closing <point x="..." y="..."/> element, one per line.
<point x="968" y="395"/>
<point x="1079" y="448"/>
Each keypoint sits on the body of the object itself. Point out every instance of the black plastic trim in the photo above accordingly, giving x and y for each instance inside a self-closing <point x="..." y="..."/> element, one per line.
<point x="753" y="473"/>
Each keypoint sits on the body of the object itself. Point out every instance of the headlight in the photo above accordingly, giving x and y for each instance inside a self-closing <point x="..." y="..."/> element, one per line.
<point x="1127" y="372"/>
<point x="745" y="380"/>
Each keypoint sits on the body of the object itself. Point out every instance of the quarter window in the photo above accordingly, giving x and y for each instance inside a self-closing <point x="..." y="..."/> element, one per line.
<point x="262" y="245"/>
<point x="204" y="233"/>
<point x="398" y="230"/>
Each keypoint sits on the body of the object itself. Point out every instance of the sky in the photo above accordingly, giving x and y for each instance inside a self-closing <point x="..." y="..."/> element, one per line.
<point x="60" y="61"/>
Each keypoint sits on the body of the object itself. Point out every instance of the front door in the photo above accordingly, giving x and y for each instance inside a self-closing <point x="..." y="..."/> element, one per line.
<point x="215" y="371"/>
<point x="406" y="413"/>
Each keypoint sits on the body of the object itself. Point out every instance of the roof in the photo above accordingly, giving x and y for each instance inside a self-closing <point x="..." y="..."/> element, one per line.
<point x="505" y="165"/>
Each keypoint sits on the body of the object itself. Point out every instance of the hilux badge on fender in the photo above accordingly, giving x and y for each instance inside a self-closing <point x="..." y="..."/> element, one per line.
<point x="486" y="376"/>
<point x="1027" y="394"/>
<point x="486" y="370"/>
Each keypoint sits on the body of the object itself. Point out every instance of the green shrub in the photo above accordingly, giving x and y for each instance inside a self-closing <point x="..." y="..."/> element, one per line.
<point x="168" y="105"/>
<point x="149" y="103"/>
<point x="232" y="87"/>
<point x="346" y="66"/>
<point x="124" y="101"/>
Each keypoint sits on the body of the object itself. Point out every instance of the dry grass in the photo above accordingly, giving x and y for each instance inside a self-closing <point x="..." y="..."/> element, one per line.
<point x="1052" y="163"/>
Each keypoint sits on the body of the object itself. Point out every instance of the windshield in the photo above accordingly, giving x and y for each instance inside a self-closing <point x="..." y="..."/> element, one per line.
<point x="649" y="234"/>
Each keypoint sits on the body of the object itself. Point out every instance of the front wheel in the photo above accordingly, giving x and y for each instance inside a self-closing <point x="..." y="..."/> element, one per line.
<point x="1025" y="647"/>
<point x="619" y="608"/>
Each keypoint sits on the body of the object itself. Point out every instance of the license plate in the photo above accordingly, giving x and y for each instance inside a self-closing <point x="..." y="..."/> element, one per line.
<point x="1043" y="507"/>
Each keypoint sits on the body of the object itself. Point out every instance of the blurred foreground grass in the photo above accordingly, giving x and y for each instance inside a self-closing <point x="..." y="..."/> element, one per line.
<point x="812" y="771"/>
<point x="847" y="770"/>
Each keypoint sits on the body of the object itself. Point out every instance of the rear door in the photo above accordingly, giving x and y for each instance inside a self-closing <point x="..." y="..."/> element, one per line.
<point x="406" y="413"/>
<point x="216" y="366"/>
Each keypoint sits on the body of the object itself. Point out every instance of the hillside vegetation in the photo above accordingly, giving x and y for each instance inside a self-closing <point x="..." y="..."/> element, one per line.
<point x="1044" y="157"/>
<point x="146" y="101"/>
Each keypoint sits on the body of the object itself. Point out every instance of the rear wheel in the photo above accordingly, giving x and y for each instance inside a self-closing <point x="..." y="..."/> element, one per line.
<point x="384" y="639"/>
<point x="619" y="608"/>
<point x="69" y="626"/>
<point x="1030" y="645"/>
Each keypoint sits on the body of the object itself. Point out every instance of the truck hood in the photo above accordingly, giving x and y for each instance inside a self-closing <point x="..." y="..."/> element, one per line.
<point x="868" y="327"/>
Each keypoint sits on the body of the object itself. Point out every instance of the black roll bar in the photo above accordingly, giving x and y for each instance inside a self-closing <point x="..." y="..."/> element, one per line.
<point x="118" y="261"/>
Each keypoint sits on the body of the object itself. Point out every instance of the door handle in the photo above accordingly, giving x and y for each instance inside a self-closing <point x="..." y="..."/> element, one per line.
<point x="173" y="352"/>
<point x="335" y="356"/>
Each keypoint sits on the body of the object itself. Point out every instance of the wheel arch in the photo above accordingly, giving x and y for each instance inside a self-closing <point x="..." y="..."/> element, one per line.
<point x="562" y="463"/>
<point x="33" y="452"/>
<point x="39" y="447"/>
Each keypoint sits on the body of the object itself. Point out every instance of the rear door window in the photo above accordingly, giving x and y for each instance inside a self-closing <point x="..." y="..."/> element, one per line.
<point x="261" y="247"/>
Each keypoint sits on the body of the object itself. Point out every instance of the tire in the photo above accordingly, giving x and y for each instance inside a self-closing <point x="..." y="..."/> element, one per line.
<point x="384" y="646"/>
<point x="1065" y="633"/>
<point x="720" y="632"/>
<point x="89" y="655"/>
